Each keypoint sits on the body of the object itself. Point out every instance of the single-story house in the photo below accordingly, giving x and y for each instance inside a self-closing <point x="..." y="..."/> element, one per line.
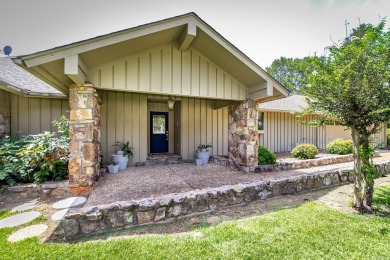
<point x="165" y="87"/>
<point x="280" y="129"/>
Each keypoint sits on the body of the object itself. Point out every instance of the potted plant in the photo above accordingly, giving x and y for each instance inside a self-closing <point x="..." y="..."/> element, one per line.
<point x="122" y="157"/>
<point x="203" y="153"/>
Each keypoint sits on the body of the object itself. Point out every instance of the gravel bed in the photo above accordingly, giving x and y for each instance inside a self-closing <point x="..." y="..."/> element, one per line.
<point x="156" y="180"/>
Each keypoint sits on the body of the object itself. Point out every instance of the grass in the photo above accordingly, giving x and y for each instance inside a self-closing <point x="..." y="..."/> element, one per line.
<point x="310" y="231"/>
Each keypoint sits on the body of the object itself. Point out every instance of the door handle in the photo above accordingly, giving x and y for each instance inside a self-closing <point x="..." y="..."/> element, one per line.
<point x="166" y="133"/>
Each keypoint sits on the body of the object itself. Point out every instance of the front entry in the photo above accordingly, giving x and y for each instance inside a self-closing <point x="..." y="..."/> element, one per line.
<point x="159" y="132"/>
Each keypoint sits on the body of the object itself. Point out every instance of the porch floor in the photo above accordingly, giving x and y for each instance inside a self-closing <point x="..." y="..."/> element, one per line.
<point x="156" y="180"/>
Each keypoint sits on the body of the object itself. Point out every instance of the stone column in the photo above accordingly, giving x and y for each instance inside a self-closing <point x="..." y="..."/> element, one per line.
<point x="243" y="135"/>
<point x="84" y="132"/>
<point x="5" y="119"/>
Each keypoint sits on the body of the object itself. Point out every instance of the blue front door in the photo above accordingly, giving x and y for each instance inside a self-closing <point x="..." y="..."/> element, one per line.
<point x="159" y="132"/>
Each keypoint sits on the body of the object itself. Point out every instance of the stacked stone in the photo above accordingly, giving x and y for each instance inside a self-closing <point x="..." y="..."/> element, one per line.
<point x="84" y="133"/>
<point x="129" y="213"/>
<point x="4" y="124"/>
<point x="18" y="193"/>
<point x="243" y="135"/>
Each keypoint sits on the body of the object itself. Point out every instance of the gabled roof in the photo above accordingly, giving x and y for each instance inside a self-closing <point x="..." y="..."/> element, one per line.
<point x="294" y="103"/>
<point x="68" y="64"/>
<point x="17" y="80"/>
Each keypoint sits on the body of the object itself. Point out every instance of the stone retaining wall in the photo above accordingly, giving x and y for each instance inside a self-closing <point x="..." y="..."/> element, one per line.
<point x="130" y="213"/>
<point x="46" y="190"/>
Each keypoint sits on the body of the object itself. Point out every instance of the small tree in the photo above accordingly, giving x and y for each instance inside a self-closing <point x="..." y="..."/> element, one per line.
<point x="352" y="84"/>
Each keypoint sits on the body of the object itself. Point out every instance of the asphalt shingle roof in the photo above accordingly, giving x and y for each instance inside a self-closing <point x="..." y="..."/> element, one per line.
<point x="11" y="75"/>
<point x="295" y="103"/>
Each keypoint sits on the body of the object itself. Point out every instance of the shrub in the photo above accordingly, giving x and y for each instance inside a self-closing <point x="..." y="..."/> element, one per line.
<point x="340" y="146"/>
<point x="266" y="156"/>
<point x="388" y="136"/>
<point x="35" y="158"/>
<point x="304" y="151"/>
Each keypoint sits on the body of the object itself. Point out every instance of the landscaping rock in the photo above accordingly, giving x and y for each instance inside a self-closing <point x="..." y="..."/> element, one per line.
<point x="27" y="232"/>
<point x="19" y="219"/>
<point x="70" y="203"/>
<point x="25" y="206"/>
<point x="59" y="215"/>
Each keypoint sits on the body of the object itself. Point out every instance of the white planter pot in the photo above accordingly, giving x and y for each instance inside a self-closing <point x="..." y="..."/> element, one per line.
<point x="199" y="162"/>
<point x="122" y="161"/>
<point x="113" y="168"/>
<point x="120" y="152"/>
<point x="204" y="156"/>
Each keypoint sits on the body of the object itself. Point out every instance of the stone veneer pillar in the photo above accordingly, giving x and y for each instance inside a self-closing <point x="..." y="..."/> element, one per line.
<point x="84" y="132"/>
<point x="243" y="135"/>
<point x="5" y="119"/>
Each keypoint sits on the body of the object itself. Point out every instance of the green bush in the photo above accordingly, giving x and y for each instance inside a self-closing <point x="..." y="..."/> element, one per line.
<point x="266" y="156"/>
<point x="304" y="151"/>
<point x="340" y="146"/>
<point x="388" y="136"/>
<point x="35" y="158"/>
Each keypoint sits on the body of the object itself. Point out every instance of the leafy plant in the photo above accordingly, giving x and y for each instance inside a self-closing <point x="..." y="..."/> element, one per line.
<point x="304" y="151"/>
<point x="340" y="146"/>
<point x="265" y="156"/>
<point x="125" y="147"/>
<point x="202" y="147"/>
<point x="388" y="136"/>
<point x="35" y="158"/>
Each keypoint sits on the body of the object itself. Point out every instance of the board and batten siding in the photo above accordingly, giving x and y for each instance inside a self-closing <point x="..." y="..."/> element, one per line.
<point x="166" y="70"/>
<point x="124" y="118"/>
<point x="5" y="101"/>
<point x="283" y="131"/>
<point x="33" y="115"/>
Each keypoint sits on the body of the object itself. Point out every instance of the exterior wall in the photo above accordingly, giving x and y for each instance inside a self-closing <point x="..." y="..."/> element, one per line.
<point x="201" y="124"/>
<point x="124" y="117"/>
<point x="282" y="131"/>
<point x="31" y="115"/>
<point x="166" y="70"/>
<point x="5" y="113"/>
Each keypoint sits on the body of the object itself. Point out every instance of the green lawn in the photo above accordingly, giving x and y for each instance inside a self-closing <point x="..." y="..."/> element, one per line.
<point x="310" y="231"/>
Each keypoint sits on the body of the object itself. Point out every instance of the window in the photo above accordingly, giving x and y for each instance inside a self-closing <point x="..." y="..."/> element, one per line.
<point x="260" y="121"/>
<point x="158" y="124"/>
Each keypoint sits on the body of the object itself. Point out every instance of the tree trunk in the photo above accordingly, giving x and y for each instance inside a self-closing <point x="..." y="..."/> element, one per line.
<point x="357" y="187"/>
<point x="364" y="179"/>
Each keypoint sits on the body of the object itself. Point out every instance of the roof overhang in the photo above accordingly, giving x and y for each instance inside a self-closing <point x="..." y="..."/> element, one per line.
<point x="67" y="65"/>
<point x="25" y="93"/>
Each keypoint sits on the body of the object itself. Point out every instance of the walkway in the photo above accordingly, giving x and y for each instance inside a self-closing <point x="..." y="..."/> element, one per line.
<point x="149" y="181"/>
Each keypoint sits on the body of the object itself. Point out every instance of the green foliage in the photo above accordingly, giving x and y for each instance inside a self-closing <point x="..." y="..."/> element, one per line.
<point x="34" y="158"/>
<point x="125" y="147"/>
<point x="293" y="73"/>
<point x="265" y="156"/>
<point x="304" y="151"/>
<point x="340" y="146"/>
<point x="388" y="136"/>
<point x="352" y="85"/>
<point x="202" y="147"/>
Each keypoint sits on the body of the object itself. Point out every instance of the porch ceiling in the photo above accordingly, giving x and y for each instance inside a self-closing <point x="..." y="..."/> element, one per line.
<point x="69" y="64"/>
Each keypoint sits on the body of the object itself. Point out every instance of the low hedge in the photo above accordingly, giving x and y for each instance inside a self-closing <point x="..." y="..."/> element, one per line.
<point x="340" y="146"/>
<point x="304" y="151"/>
<point x="265" y="156"/>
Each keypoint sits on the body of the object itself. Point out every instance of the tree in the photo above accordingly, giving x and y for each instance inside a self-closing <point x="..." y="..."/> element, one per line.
<point x="292" y="73"/>
<point x="353" y="84"/>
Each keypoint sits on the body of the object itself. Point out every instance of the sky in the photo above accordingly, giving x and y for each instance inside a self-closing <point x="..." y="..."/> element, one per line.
<point x="264" y="30"/>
